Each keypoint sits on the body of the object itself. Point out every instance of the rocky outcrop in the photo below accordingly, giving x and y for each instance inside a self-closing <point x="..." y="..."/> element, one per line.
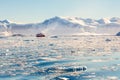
<point x="40" y="35"/>
<point x="14" y="35"/>
<point x="118" y="34"/>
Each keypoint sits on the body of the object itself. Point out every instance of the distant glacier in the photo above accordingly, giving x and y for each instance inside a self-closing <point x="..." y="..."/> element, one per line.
<point x="64" y="26"/>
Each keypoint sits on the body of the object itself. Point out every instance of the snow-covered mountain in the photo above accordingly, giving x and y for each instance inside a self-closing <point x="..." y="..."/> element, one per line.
<point x="5" y="28"/>
<point x="64" y="26"/>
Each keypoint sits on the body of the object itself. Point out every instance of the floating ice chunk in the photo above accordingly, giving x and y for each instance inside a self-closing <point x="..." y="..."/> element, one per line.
<point x="89" y="76"/>
<point x="107" y="40"/>
<point x="112" y="68"/>
<point x="118" y="64"/>
<point x="63" y="78"/>
<point x="98" y="60"/>
<point x="7" y="50"/>
<point x="54" y="36"/>
<point x="74" y="69"/>
<point x="66" y="69"/>
<point x="112" y="78"/>
<point x="51" y="44"/>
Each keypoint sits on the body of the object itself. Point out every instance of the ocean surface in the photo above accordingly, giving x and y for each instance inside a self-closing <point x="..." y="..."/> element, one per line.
<point x="60" y="58"/>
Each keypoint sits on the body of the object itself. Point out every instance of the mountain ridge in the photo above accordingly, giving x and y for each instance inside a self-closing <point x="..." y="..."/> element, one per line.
<point x="65" y="25"/>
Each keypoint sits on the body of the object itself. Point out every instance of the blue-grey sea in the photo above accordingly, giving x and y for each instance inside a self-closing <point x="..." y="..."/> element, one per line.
<point x="60" y="58"/>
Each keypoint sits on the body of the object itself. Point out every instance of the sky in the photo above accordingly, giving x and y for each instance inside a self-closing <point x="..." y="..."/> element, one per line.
<point x="33" y="11"/>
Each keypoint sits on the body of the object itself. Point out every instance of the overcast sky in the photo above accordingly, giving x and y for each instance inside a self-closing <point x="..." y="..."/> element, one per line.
<point x="30" y="11"/>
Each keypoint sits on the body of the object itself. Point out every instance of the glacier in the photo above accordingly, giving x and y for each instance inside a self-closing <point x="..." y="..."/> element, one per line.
<point x="63" y="26"/>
